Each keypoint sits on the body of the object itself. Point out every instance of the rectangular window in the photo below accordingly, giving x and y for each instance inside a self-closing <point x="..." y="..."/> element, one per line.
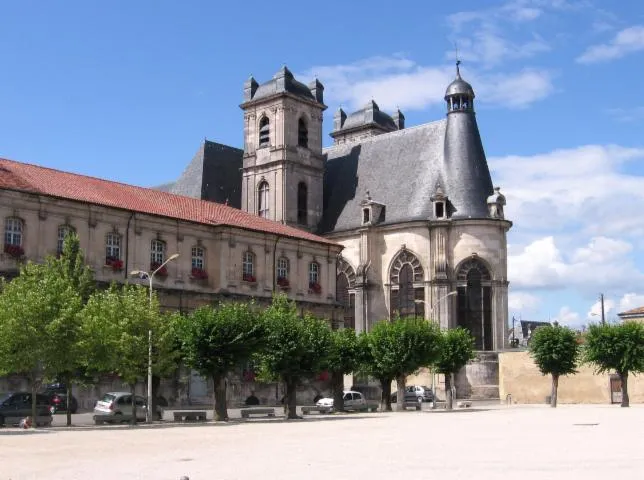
<point x="157" y="252"/>
<point x="314" y="273"/>
<point x="198" y="258"/>
<point x="112" y="247"/>
<point x="63" y="231"/>
<point x="13" y="231"/>
<point x="282" y="268"/>
<point x="248" y="267"/>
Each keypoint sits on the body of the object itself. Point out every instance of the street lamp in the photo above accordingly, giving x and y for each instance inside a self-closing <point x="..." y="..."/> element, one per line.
<point x="431" y="309"/>
<point x="148" y="411"/>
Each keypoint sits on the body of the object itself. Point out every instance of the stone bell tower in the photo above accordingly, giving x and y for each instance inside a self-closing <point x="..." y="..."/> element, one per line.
<point x="283" y="166"/>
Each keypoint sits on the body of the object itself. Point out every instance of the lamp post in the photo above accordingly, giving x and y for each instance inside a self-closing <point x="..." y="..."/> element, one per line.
<point x="148" y="411"/>
<point x="431" y="309"/>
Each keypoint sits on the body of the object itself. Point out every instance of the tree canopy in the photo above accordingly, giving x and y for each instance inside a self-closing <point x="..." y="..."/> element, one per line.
<point x="456" y="349"/>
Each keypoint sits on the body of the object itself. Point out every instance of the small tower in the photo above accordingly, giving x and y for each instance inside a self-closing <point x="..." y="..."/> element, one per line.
<point x="495" y="203"/>
<point x="467" y="176"/>
<point x="283" y="166"/>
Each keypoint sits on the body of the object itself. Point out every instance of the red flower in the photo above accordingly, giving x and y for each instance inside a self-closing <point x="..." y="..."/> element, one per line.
<point x="247" y="277"/>
<point x="15" y="251"/>
<point x="283" y="282"/>
<point x="115" y="263"/>
<point x="199" y="273"/>
<point x="315" y="287"/>
<point x="163" y="272"/>
<point x="323" y="376"/>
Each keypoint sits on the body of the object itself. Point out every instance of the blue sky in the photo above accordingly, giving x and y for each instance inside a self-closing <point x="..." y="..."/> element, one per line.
<point x="128" y="91"/>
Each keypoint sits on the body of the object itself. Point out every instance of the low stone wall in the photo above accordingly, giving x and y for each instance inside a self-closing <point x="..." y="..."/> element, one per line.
<point x="520" y="378"/>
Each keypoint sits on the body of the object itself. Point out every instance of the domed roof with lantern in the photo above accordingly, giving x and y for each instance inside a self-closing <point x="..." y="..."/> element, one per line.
<point x="459" y="86"/>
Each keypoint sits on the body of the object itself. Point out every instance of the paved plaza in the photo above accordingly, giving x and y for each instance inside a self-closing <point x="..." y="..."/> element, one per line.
<point x="523" y="442"/>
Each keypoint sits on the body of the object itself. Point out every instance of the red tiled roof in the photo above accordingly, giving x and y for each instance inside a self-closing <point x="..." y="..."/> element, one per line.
<point x="46" y="181"/>
<point x="635" y="311"/>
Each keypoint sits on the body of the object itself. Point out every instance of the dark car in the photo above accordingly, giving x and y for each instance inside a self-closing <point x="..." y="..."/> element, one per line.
<point x="57" y="393"/>
<point x="17" y="405"/>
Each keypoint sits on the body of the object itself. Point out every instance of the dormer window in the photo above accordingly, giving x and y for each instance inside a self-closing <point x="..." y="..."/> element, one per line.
<point x="264" y="132"/>
<point x="439" y="209"/>
<point x="439" y="200"/>
<point x="366" y="215"/>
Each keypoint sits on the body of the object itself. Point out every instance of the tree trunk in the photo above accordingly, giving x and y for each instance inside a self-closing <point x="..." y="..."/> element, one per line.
<point x="624" y="379"/>
<point x="553" y="393"/>
<point x="337" y="381"/>
<point x="385" y="398"/>
<point x="401" y="381"/>
<point x="448" y="391"/>
<point x="290" y="400"/>
<point x="221" y="411"/>
<point x="68" y="392"/>
<point x="133" y="419"/>
<point x="34" y="408"/>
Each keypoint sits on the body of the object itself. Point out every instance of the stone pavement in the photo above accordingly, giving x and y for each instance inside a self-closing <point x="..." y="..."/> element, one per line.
<point x="523" y="442"/>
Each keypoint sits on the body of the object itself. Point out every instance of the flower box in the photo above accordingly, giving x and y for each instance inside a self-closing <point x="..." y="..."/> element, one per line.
<point x="283" y="282"/>
<point x="247" y="277"/>
<point x="198" y="274"/>
<point x="115" y="263"/>
<point x="163" y="271"/>
<point x="15" y="251"/>
<point x="315" y="288"/>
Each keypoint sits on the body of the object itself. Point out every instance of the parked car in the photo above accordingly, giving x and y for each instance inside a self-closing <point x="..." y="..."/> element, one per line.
<point x="57" y="393"/>
<point x="423" y="394"/>
<point x="17" y="405"/>
<point x="352" y="401"/>
<point x="116" y="407"/>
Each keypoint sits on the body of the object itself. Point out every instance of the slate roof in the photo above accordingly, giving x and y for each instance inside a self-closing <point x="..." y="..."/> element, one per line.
<point x="399" y="169"/>
<point x="370" y="114"/>
<point x="283" y="82"/>
<point x="639" y="311"/>
<point x="29" y="178"/>
<point x="213" y="174"/>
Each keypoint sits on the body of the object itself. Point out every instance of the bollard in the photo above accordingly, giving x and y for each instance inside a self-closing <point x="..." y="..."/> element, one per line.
<point x="508" y="399"/>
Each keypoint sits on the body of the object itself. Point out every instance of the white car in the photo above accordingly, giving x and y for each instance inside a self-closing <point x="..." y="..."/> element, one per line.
<point x="352" y="401"/>
<point x="116" y="407"/>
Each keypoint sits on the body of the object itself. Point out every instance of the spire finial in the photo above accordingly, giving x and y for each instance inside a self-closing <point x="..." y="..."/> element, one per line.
<point x="458" y="61"/>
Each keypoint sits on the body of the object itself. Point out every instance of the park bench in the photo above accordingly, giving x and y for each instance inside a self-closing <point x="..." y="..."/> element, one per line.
<point x="247" y="412"/>
<point x="314" y="408"/>
<point x="189" y="416"/>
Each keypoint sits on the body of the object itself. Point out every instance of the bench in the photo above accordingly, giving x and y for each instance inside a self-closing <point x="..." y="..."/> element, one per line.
<point x="315" y="408"/>
<point x="247" y="412"/>
<point x="464" y="404"/>
<point x="190" y="416"/>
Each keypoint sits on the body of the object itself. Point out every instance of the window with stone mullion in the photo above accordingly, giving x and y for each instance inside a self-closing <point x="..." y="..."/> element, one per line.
<point x="113" y="246"/>
<point x="198" y="258"/>
<point x="13" y="231"/>
<point x="157" y="252"/>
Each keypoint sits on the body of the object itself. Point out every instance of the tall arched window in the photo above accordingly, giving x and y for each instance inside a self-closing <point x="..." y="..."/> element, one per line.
<point x="302" y="133"/>
<point x="264" y="132"/>
<point x="248" y="267"/>
<point x="344" y="293"/>
<point x="262" y="200"/>
<point x="407" y="288"/>
<point x="63" y="231"/>
<point x="302" y="203"/>
<point x="474" y="307"/>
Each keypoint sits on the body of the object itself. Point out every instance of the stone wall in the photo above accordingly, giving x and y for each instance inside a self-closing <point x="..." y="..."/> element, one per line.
<point x="520" y="378"/>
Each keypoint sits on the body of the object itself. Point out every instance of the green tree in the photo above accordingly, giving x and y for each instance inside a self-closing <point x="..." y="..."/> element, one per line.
<point x="555" y="350"/>
<point x="341" y="359"/>
<point x="394" y="350"/>
<point x="115" y="326"/>
<point x="618" y="348"/>
<point x="456" y="349"/>
<point x="215" y="341"/>
<point x="34" y="306"/>
<point x="295" y="348"/>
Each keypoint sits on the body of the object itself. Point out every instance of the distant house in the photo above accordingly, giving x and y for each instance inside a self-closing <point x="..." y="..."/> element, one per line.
<point x="523" y="330"/>
<point x="635" y="315"/>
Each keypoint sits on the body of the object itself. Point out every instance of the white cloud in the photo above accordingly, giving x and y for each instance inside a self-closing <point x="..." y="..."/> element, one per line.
<point x="627" y="114"/>
<point x="626" y="41"/>
<point x="567" y="317"/>
<point x="523" y="301"/>
<point x="400" y="82"/>
<point x="630" y="301"/>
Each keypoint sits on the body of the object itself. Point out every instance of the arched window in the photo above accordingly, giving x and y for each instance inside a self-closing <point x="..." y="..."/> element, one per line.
<point x="302" y="203"/>
<point x="407" y="289"/>
<point x="13" y="228"/>
<point x="63" y="231"/>
<point x="248" y="267"/>
<point x="112" y="247"/>
<point x="264" y="132"/>
<point x="302" y="134"/>
<point x="262" y="200"/>
<point x="344" y="294"/>
<point x="474" y="306"/>
<point x="157" y="253"/>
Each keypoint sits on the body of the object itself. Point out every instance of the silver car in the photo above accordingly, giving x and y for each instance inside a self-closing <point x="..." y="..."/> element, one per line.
<point x="116" y="407"/>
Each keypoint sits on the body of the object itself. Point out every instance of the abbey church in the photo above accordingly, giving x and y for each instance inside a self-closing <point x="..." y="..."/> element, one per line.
<point x="422" y="226"/>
